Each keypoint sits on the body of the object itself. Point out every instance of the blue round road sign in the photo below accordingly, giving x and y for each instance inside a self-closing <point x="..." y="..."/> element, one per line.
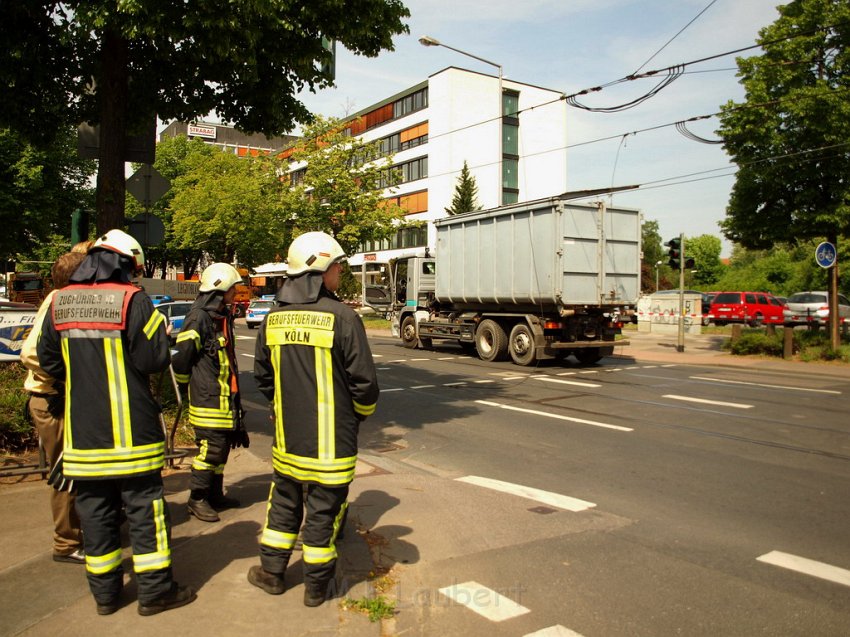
<point x="825" y="254"/>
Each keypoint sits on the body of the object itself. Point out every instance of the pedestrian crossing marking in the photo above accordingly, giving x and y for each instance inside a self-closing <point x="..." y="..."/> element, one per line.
<point x="484" y="601"/>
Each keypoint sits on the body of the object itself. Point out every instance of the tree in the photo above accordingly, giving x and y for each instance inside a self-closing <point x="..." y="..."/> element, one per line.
<point x="338" y="187"/>
<point x="705" y="250"/>
<point x="790" y="137"/>
<point x="465" y="198"/>
<point x="229" y="207"/>
<point x="175" y="157"/>
<point x="39" y="189"/>
<point x="653" y="252"/>
<point x="121" y="64"/>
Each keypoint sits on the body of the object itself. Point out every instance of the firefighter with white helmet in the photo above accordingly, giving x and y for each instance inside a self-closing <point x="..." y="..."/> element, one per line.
<point x="205" y="360"/>
<point x="313" y="363"/>
<point x="103" y="339"/>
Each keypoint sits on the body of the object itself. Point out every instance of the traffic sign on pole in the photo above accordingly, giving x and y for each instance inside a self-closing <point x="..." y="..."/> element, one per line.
<point x="147" y="185"/>
<point x="826" y="254"/>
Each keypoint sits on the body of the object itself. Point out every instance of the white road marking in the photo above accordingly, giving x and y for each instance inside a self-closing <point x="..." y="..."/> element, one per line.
<point x="248" y="355"/>
<point x="384" y="391"/>
<point x="553" y="631"/>
<point x="483" y="381"/>
<point x="514" y="377"/>
<point x="549" y="379"/>
<point x="421" y="386"/>
<point x="383" y="368"/>
<point x="418" y="360"/>
<point x="633" y="367"/>
<point x="705" y="401"/>
<point x="556" y="416"/>
<point x="649" y="366"/>
<point x="398" y="360"/>
<point x="484" y="601"/>
<point x="566" y="374"/>
<point x="807" y="567"/>
<point x="377" y="355"/>
<point x="670" y="365"/>
<point x="546" y="497"/>
<point x="590" y="371"/>
<point x="462" y="382"/>
<point x="240" y="337"/>
<point x="447" y="358"/>
<point x="615" y="369"/>
<point x="743" y="382"/>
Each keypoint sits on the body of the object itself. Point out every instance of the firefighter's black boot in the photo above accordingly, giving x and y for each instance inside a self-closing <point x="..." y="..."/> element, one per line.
<point x="202" y="510"/>
<point x="217" y="499"/>
<point x="272" y="583"/>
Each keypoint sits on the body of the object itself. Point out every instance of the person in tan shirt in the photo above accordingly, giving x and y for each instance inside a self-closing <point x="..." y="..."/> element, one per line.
<point x="46" y="406"/>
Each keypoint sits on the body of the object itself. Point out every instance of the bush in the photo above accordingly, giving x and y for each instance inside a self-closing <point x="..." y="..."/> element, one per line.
<point x="16" y="431"/>
<point x="757" y="342"/>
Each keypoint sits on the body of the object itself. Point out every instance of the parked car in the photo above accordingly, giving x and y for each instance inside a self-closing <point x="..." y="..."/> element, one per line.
<point x="256" y="312"/>
<point x="807" y="308"/>
<point x="175" y="312"/>
<point x="160" y="298"/>
<point x="752" y="308"/>
<point x="707" y="298"/>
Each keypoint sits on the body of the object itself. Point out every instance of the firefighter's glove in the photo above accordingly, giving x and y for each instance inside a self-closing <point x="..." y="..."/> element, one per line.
<point x="239" y="436"/>
<point x="57" y="479"/>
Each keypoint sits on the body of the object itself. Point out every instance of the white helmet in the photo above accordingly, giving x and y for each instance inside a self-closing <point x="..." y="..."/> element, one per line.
<point x="219" y="276"/>
<point x="122" y="243"/>
<point x="313" y="252"/>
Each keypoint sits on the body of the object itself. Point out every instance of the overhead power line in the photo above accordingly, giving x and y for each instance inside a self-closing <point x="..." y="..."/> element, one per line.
<point x="694" y="19"/>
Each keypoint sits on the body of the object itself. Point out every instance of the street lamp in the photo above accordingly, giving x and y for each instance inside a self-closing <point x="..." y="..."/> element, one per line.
<point x="427" y="40"/>
<point x="656" y="274"/>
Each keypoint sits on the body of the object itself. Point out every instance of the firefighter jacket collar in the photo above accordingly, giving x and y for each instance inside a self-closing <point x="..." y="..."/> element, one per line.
<point x="305" y="288"/>
<point x="102" y="265"/>
<point x="211" y="303"/>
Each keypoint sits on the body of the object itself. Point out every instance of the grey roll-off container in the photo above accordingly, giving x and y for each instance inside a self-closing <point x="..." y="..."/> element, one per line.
<point x="546" y="255"/>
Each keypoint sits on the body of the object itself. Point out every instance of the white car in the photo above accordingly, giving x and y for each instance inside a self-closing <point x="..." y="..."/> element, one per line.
<point x="806" y="308"/>
<point x="256" y="312"/>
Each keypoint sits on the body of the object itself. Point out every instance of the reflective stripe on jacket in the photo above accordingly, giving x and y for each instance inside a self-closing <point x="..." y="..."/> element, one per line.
<point x="104" y="340"/>
<point x="314" y="364"/>
<point x="204" y="360"/>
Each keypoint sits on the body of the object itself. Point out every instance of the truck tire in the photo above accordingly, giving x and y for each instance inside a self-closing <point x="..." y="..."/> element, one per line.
<point x="408" y="332"/>
<point x="491" y="341"/>
<point x="521" y="345"/>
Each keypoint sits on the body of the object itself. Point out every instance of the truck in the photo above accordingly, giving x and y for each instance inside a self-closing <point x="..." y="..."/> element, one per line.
<point x="26" y="287"/>
<point x="531" y="281"/>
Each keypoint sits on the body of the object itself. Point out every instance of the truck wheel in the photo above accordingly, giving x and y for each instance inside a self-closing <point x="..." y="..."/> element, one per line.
<point x="408" y="332"/>
<point x="590" y="355"/>
<point x="521" y="345"/>
<point x="491" y="341"/>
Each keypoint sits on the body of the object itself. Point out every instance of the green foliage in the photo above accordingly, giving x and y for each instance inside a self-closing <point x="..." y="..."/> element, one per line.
<point x="175" y="157"/>
<point x="39" y="189"/>
<point x="653" y="252"/>
<point x="120" y="64"/>
<point x="757" y="342"/>
<point x="340" y="189"/>
<point x="377" y="608"/>
<point x="465" y="198"/>
<point x="787" y="141"/>
<point x="705" y="250"/>
<point x="229" y="206"/>
<point x="16" y="431"/>
<point x="349" y="285"/>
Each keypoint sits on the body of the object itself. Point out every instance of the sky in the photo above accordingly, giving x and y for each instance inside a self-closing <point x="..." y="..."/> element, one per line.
<point x="571" y="45"/>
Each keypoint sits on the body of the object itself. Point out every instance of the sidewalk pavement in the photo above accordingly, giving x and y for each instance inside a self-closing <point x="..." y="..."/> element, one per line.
<point x="402" y="521"/>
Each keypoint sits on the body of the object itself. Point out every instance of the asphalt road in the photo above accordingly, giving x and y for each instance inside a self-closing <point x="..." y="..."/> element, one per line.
<point x="678" y="499"/>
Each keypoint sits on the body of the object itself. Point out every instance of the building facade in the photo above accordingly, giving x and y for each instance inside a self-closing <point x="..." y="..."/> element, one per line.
<point x="513" y="143"/>
<point x="227" y="138"/>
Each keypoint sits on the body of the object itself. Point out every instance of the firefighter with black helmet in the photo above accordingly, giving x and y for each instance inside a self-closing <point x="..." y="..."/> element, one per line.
<point x="313" y="363"/>
<point x="103" y="339"/>
<point x="206" y="361"/>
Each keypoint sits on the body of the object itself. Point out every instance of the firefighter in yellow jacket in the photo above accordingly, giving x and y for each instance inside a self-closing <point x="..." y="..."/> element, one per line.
<point x="313" y="363"/>
<point x="103" y="338"/>
<point x="206" y="360"/>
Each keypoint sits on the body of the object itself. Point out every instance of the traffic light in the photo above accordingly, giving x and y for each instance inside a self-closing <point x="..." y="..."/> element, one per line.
<point x="675" y="253"/>
<point x="689" y="263"/>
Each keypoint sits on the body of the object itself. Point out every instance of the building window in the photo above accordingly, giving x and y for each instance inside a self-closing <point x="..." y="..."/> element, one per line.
<point x="510" y="104"/>
<point x="411" y="103"/>
<point x="409" y="237"/>
<point x="510" y="139"/>
<point x="509" y="196"/>
<point x="407" y="171"/>
<point x="510" y="173"/>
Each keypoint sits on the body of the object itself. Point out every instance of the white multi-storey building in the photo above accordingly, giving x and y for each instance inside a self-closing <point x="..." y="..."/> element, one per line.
<point x="513" y="143"/>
